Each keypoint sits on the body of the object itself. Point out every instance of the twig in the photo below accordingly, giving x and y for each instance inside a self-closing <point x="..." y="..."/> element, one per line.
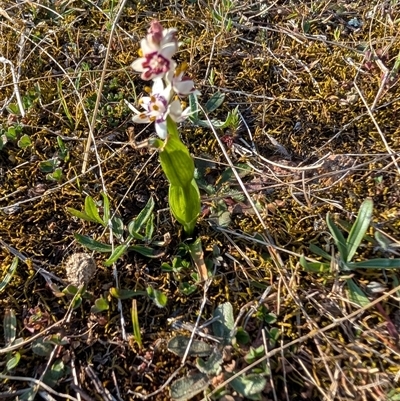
<point x="38" y="383"/>
<point x="101" y="84"/>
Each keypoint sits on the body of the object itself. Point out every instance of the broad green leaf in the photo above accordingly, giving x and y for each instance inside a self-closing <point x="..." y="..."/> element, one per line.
<point x="100" y="305"/>
<point x="224" y="323"/>
<point x="212" y="366"/>
<point x="186" y="388"/>
<point x="176" y="162"/>
<point x="92" y="244"/>
<point x="187" y="288"/>
<point x="254" y="354"/>
<point x="157" y="297"/>
<point x="92" y="211"/>
<point x="10" y="326"/>
<point x="55" y="373"/>
<point x="118" y="252"/>
<point x="185" y="205"/>
<point x="120" y="293"/>
<point x="179" y="344"/>
<point x="13" y="361"/>
<point x="10" y="273"/>
<point x="144" y="215"/>
<point x="356" y="294"/>
<point x="80" y="215"/>
<point x="48" y="166"/>
<point x="24" y="141"/>
<point x="320" y="252"/>
<point x="106" y="208"/>
<point x="338" y="237"/>
<point x="41" y="347"/>
<point x="375" y="264"/>
<point x="214" y="102"/>
<point x="250" y="386"/>
<point x="359" y="228"/>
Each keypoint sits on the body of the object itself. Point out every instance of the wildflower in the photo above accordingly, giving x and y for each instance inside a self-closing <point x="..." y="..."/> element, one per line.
<point x="157" y="50"/>
<point x="181" y="84"/>
<point x="158" y="106"/>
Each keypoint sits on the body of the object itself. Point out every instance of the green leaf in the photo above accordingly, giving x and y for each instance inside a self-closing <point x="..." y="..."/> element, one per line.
<point x="194" y="108"/>
<point x="144" y="215"/>
<point x="133" y="233"/>
<point x="212" y="366"/>
<point x="179" y="344"/>
<point x="315" y="267"/>
<point x="356" y="294"/>
<point x="92" y="244"/>
<point x="250" y="386"/>
<point x="320" y="252"/>
<point x="92" y="211"/>
<point x="100" y="305"/>
<point x="214" y="102"/>
<point x="254" y="354"/>
<point x="157" y="297"/>
<point x="187" y="288"/>
<point x="186" y="388"/>
<point x="185" y="205"/>
<point x="375" y="264"/>
<point x="42" y="348"/>
<point x="118" y="252"/>
<point x="56" y="175"/>
<point x="10" y="273"/>
<point x="55" y="373"/>
<point x="117" y="227"/>
<point x="106" y="208"/>
<point x="10" y="326"/>
<point x="242" y="336"/>
<point x="80" y="215"/>
<point x="176" y="162"/>
<point x="338" y="237"/>
<point x="29" y="395"/>
<point x="224" y="323"/>
<point x="146" y="251"/>
<point x="120" y="293"/>
<point x="13" y="361"/>
<point x="359" y="228"/>
<point x="24" y="141"/>
<point x="150" y="227"/>
<point x="48" y="166"/>
<point x="137" y="335"/>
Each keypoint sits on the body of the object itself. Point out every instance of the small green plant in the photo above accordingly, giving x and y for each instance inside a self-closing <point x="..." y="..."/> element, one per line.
<point x="210" y="361"/>
<point x="347" y="248"/>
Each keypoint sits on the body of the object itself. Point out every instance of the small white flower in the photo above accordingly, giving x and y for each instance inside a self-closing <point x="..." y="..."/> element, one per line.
<point x="157" y="50"/>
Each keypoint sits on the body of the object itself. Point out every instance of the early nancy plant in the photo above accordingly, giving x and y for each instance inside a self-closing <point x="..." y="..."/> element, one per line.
<point x="164" y="108"/>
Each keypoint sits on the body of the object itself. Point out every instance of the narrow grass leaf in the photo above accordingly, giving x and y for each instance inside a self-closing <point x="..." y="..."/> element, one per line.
<point x="356" y="294"/>
<point x="338" y="237"/>
<point x="359" y="228"/>
<point x="9" y="275"/>
<point x="106" y="208"/>
<point x="120" y="293"/>
<point x="320" y="252"/>
<point x="135" y="324"/>
<point x="375" y="264"/>
<point x="92" y="244"/>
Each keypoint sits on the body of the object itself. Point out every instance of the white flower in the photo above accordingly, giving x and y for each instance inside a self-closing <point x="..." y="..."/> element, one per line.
<point x="157" y="50"/>
<point x="157" y="107"/>
<point x="181" y="84"/>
